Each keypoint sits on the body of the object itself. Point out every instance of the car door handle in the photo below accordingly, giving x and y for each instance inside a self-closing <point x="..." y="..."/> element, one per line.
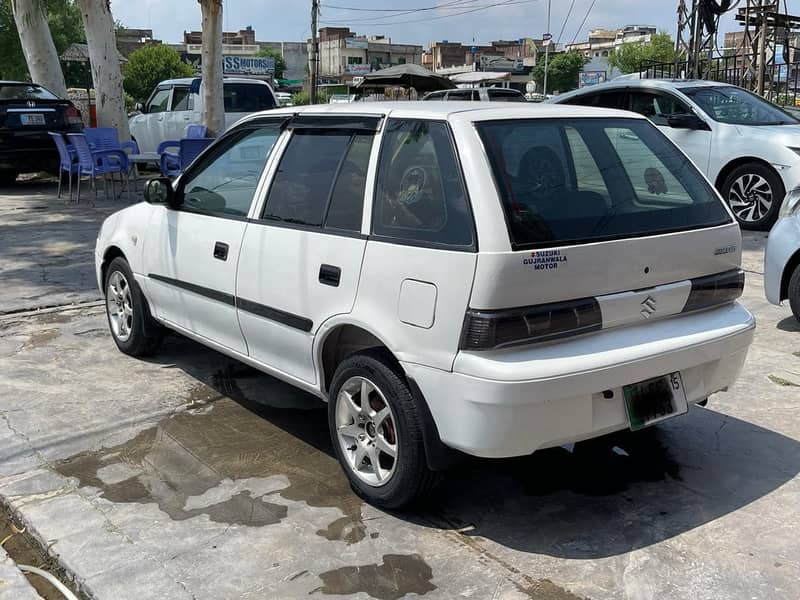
<point x="330" y="275"/>
<point x="221" y="250"/>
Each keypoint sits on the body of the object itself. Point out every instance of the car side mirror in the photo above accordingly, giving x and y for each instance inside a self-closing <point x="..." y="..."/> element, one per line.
<point x="159" y="191"/>
<point x="687" y="121"/>
<point x="139" y="107"/>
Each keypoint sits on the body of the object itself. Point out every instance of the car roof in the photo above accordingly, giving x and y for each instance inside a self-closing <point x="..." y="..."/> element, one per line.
<point x="462" y="111"/>
<point x="12" y="82"/>
<point x="624" y="83"/>
<point x="189" y="80"/>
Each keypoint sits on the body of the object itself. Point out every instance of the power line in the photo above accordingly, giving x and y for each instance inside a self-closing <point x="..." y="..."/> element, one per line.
<point x="465" y="12"/>
<point x="452" y="5"/>
<point x="564" y="25"/>
<point x="360" y="9"/>
<point x="586" y="16"/>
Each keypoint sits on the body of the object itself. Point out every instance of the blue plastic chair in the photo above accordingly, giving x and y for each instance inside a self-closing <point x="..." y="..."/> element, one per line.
<point x="173" y="165"/>
<point x="191" y="131"/>
<point x="67" y="160"/>
<point x="107" y="138"/>
<point x="92" y="163"/>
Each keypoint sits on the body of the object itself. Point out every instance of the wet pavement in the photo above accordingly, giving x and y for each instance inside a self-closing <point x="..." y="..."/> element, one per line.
<point x="189" y="475"/>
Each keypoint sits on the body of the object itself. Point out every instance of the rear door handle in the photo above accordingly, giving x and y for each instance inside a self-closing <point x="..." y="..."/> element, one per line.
<point x="221" y="250"/>
<point x="330" y="275"/>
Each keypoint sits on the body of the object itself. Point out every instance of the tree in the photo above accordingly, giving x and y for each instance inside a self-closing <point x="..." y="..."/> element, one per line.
<point x="562" y="71"/>
<point x="280" y="64"/>
<point x="101" y="40"/>
<point x="213" y="115"/>
<point x="148" y="66"/>
<point x="630" y="57"/>
<point x="37" y="45"/>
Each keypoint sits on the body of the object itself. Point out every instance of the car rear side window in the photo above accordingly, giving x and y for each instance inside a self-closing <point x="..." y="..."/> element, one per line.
<point x="420" y="196"/>
<point x="322" y="174"/>
<point x="182" y="99"/>
<point x="594" y="179"/>
<point x="246" y="97"/>
<point x="603" y="100"/>
<point x="501" y="95"/>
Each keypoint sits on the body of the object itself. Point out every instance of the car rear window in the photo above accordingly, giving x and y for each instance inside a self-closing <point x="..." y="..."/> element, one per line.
<point x="247" y="97"/>
<point x="24" y="91"/>
<point x="594" y="179"/>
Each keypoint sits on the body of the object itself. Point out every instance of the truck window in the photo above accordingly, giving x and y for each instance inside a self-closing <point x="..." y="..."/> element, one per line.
<point x="247" y="98"/>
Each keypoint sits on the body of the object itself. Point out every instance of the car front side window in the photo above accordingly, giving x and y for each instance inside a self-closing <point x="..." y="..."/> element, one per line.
<point x="182" y="99"/>
<point x="656" y="107"/>
<point x="160" y="101"/>
<point x="224" y="182"/>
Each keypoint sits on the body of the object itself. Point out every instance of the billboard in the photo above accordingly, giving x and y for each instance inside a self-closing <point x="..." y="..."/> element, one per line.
<point x="587" y="78"/>
<point x="354" y="43"/>
<point x="358" y="69"/>
<point x="248" y="65"/>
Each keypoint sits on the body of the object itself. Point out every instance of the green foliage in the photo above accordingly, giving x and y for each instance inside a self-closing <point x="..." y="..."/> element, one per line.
<point x="280" y="64"/>
<point x="629" y="57"/>
<point x="302" y="98"/>
<point x="562" y="72"/>
<point x="65" y="27"/>
<point x="148" y="66"/>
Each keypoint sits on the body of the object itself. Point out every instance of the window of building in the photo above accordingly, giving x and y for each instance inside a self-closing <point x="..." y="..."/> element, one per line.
<point x="355" y="60"/>
<point x="401" y="61"/>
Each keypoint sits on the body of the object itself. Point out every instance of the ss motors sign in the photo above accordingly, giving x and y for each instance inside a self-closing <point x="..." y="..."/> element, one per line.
<point x="248" y="65"/>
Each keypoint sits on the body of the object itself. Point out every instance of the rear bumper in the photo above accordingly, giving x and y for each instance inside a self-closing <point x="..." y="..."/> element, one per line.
<point x="782" y="244"/>
<point x="27" y="155"/>
<point x="512" y="403"/>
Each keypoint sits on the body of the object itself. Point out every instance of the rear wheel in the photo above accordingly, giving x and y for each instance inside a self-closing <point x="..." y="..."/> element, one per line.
<point x="133" y="328"/>
<point x="754" y="192"/>
<point x="794" y="292"/>
<point x="376" y="430"/>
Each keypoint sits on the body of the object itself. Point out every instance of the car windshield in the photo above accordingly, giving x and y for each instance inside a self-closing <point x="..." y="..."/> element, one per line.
<point x="736" y="106"/>
<point x="25" y="91"/>
<point x="594" y="179"/>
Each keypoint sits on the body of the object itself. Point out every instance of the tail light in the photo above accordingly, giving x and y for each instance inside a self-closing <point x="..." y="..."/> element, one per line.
<point x="485" y="330"/>
<point x="73" y="116"/>
<point x="715" y="290"/>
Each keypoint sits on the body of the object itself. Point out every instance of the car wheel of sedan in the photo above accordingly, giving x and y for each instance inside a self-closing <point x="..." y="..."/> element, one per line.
<point x="794" y="293"/>
<point x="133" y="328"/>
<point x="755" y="193"/>
<point x="376" y="430"/>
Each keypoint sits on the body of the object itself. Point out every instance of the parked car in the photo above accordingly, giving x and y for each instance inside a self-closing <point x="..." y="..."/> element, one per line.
<point x="489" y="281"/>
<point x="748" y="147"/>
<point x="341" y="98"/>
<point x="176" y="103"/>
<point x="491" y="94"/>
<point x="782" y="257"/>
<point x="27" y="112"/>
<point x="283" y="98"/>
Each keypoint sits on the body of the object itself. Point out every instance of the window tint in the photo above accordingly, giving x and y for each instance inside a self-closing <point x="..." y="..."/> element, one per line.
<point x="604" y="100"/>
<point x="501" y="95"/>
<point x="462" y="95"/>
<point x="594" y="179"/>
<point x="420" y="195"/>
<point x="181" y="99"/>
<point x="302" y="186"/>
<point x="246" y="97"/>
<point x="159" y="101"/>
<point x="347" y="200"/>
<point x="656" y="107"/>
<point x="736" y="106"/>
<point x="224" y="182"/>
<point x="435" y="96"/>
<point x="22" y="91"/>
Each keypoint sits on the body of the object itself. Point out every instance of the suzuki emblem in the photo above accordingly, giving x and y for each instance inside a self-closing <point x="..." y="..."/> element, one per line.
<point x="648" y="307"/>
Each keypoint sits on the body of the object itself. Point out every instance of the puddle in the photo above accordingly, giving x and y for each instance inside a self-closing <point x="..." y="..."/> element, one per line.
<point x="41" y="338"/>
<point x="186" y="463"/>
<point x="397" y="577"/>
<point x="544" y="589"/>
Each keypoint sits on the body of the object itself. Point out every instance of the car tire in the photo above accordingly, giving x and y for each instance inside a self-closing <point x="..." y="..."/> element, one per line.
<point x="8" y="177"/>
<point x="754" y="192"/>
<point x="794" y="292"/>
<point x="392" y="421"/>
<point x="132" y="326"/>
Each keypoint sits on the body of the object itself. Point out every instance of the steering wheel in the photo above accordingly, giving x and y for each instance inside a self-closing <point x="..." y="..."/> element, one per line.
<point x="411" y="185"/>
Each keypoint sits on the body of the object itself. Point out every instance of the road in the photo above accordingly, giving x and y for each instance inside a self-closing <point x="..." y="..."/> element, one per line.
<point x="189" y="475"/>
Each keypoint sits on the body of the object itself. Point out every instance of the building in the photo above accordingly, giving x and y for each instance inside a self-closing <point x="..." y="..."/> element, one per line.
<point x="295" y="55"/>
<point x="344" y="55"/>
<point x="129" y="40"/>
<point x="602" y="42"/>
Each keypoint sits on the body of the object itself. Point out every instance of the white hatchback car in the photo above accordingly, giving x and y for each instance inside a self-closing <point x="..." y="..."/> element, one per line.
<point x="782" y="256"/>
<point x="176" y="103"/>
<point x="450" y="277"/>
<point x="748" y="147"/>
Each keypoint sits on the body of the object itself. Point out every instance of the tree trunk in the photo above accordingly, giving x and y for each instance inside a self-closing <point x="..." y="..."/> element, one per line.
<point x="213" y="115"/>
<point x="38" y="47"/>
<point x="104" y="58"/>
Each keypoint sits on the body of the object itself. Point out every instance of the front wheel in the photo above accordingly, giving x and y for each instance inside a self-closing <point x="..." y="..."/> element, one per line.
<point x="133" y="328"/>
<point x="754" y="192"/>
<point x="376" y="430"/>
<point x="794" y="292"/>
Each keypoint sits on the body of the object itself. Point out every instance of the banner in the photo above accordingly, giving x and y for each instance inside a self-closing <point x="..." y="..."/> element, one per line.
<point x="248" y="65"/>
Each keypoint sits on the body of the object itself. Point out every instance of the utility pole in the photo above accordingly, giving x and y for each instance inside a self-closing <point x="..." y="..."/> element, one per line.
<point x="314" y="52"/>
<point x="547" y="37"/>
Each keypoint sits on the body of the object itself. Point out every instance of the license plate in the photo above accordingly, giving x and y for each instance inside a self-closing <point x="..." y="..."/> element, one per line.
<point x="31" y="119"/>
<point x="654" y="400"/>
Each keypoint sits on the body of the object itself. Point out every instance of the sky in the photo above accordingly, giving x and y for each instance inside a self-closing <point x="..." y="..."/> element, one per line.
<point x="289" y="20"/>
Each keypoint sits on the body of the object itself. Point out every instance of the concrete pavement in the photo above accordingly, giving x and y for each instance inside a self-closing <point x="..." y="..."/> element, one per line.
<point x="191" y="476"/>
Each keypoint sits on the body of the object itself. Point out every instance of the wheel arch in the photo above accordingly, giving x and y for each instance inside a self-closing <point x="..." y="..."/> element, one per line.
<point x="110" y="254"/>
<point x="792" y="264"/>
<point x="738" y="162"/>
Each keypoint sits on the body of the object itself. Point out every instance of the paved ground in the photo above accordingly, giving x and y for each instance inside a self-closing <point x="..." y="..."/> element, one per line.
<point x="191" y="476"/>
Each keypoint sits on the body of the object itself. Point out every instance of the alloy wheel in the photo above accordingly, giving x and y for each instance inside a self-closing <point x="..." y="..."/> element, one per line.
<point x="366" y="431"/>
<point x="750" y="198"/>
<point x="119" y="305"/>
